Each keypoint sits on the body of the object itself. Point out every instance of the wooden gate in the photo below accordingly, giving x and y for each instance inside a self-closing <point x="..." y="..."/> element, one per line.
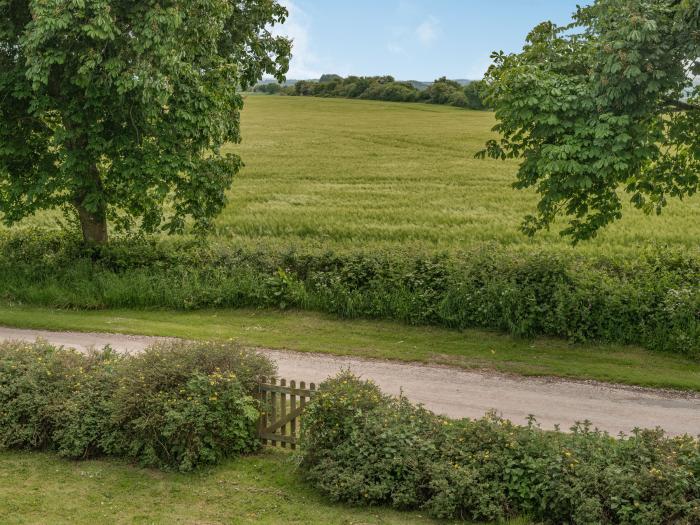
<point x="281" y="406"/>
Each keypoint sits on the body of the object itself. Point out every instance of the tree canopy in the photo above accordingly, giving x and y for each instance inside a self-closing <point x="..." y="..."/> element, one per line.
<point x="118" y="108"/>
<point x="600" y="107"/>
<point x="441" y="91"/>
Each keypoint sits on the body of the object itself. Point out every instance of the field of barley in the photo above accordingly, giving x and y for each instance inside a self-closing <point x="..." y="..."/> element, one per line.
<point x="348" y="174"/>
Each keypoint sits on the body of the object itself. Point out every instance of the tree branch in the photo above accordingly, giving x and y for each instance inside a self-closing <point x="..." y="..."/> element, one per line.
<point x="682" y="106"/>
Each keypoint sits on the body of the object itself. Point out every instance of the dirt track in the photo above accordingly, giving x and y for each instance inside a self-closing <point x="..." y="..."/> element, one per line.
<point x="462" y="393"/>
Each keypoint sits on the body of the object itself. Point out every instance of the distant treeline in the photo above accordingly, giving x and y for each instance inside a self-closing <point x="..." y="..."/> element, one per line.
<point x="442" y="91"/>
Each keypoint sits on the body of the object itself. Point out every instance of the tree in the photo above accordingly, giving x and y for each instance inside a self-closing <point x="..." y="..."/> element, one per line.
<point x="440" y="91"/>
<point x="473" y="93"/>
<point x="329" y="77"/>
<point x="118" y="108"/>
<point x="270" y="88"/>
<point x="603" y="106"/>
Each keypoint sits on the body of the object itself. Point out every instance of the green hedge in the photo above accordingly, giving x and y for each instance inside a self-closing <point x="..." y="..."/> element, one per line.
<point x="364" y="448"/>
<point x="652" y="299"/>
<point x="177" y="405"/>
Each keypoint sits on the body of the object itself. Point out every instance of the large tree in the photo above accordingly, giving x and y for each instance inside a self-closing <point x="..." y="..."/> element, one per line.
<point x="603" y="106"/>
<point x="118" y="108"/>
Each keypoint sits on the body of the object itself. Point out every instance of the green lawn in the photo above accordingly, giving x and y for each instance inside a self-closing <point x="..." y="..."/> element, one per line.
<point x="312" y="332"/>
<point x="40" y="488"/>
<point x="360" y="174"/>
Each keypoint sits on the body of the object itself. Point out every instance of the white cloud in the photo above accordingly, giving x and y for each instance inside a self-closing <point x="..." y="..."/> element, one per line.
<point x="304" y="63"/>
<point x="428" y="30"/>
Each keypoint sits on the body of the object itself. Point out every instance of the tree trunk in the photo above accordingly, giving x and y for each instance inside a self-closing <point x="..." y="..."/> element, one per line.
<point x="94" y="226"/>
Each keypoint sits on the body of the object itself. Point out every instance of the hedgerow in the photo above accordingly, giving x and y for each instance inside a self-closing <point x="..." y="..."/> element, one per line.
<point x="177" y="405"/>
<point x="652" y="299"/>
<point x="365" y="448"/>
<point x="441" y="91"/>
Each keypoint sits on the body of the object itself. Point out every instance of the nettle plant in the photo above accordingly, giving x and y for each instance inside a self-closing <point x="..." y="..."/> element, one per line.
<point x="605" y="105"/>
<point x="118" y="109"/>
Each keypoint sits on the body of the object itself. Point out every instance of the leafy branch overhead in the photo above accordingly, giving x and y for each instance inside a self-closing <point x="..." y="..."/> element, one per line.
<point x="603" y="106"/>
<point x="119" y="108"/>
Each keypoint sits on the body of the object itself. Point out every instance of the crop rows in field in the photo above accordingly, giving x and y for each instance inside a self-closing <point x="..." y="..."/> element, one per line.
<point x="349" y="174"/>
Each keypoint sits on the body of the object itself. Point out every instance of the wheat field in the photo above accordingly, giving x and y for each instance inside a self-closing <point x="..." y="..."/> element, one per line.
<point x="348" y="174"/>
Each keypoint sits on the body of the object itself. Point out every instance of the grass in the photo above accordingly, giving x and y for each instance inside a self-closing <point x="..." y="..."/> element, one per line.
<point x="313" y="332"/>
<point x="356" y="174"/>
<point x="262" y="489"/>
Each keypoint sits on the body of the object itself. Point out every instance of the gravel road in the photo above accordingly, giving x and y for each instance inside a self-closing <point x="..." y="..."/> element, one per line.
<point x="462" y="393"/>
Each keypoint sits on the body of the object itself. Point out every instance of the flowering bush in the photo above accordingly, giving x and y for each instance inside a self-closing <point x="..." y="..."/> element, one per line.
<point x="82" y="414"/>
<point x="363" y="447"/>
<point x="181" y="404"/>
<point x="176" y="405"/>
<point x="31" y="380"/>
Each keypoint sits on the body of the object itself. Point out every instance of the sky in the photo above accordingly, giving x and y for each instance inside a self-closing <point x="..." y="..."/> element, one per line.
<point x="410" y="39"/>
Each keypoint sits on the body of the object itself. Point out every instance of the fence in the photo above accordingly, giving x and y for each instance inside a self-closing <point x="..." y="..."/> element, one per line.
<point x="282" y="407"/>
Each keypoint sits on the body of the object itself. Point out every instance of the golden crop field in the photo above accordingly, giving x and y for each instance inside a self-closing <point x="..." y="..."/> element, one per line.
<point x="348" y="174"/>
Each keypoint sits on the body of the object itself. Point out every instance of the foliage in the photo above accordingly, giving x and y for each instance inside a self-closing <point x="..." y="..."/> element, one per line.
<point x="177" y="405"/>
<point x="31" y="382"/>
<point x="187" y="404"/>
<point x="116" y="108"/>
<point x="603" y="103"/>
<point x="442" y="91"/>
<point x="269" y="88"/>
<point x="81" y="417"/>
<point x="385" y="451"/>
<point x="652" y="300"/>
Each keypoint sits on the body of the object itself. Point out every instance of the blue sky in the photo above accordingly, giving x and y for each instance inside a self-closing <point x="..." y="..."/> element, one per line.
<point x="410" y="39"/>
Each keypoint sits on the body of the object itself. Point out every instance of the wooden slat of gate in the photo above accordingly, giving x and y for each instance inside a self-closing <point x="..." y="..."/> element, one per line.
<point x="283" y="412"/>
<point x="293" y="408"/>
<point x="273" y="403"/>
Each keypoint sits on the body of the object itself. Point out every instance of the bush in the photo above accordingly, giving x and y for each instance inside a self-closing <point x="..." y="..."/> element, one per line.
<point x="652" y="299"/>
<point x="32" y="381"/>
<point x="362" y="447"/>
<point x="181" y="404"/>
<point x="82" y="415"/>
<point x="177" y="405"/>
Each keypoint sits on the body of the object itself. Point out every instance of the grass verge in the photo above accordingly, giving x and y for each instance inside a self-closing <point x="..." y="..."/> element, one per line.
<point x="39" y="487"/>
<point x="312" y="332"/>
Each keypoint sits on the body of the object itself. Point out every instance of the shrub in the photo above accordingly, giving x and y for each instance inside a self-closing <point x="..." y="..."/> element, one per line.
<point x="181" y="404"/>
<point x="177" y="405"/>
<point x="32" y="379"/>
<point x="652" y="299"/>
<point x="362" y="447"/>
<point x="82" y="415"/>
